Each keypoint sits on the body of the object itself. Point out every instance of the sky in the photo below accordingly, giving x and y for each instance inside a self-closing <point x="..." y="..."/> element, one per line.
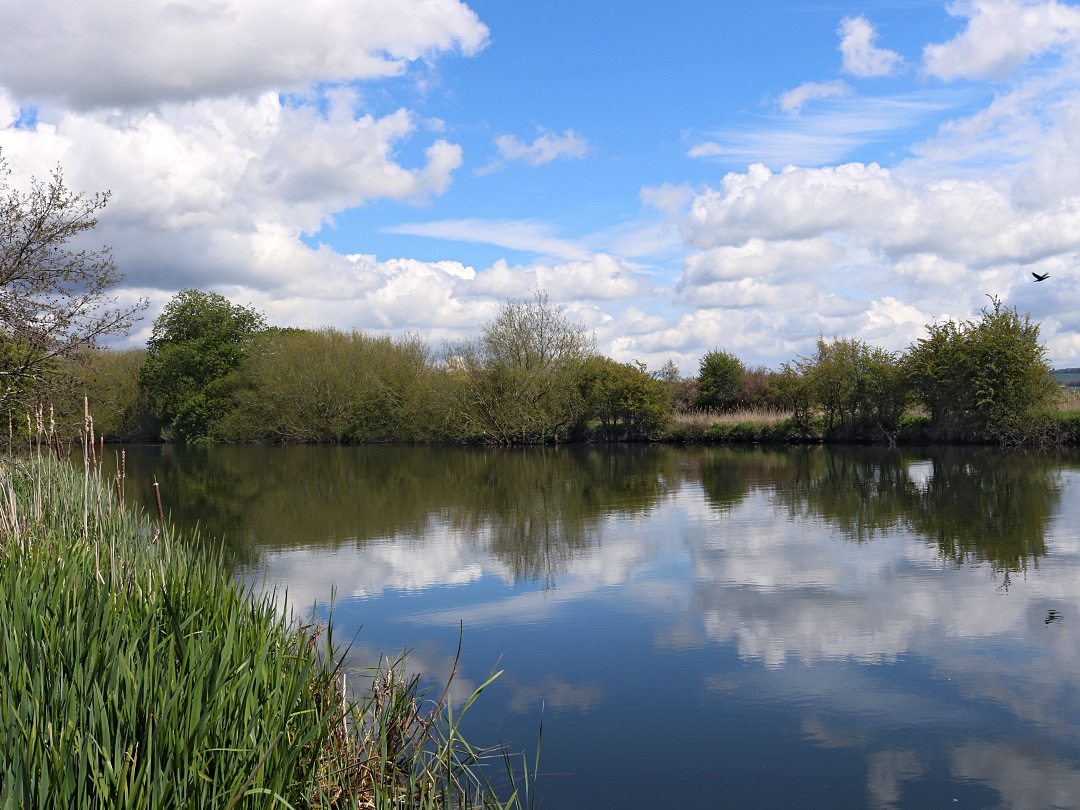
<point x="680" y="177"/>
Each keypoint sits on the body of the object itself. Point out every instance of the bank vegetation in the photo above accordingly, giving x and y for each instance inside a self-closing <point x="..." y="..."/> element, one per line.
<point x="138" y="672"/>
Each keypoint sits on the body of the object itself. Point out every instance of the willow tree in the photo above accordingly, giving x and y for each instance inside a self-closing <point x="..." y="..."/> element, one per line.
<point x="54" y="296"/>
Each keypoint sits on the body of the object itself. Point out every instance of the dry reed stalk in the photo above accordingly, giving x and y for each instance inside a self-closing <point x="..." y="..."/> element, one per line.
<point x="703" y="419"/>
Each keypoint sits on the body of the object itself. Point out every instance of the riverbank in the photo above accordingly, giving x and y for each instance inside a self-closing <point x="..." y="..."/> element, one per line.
<point x="1054" y="428"/>
<point x="138" y="672"/>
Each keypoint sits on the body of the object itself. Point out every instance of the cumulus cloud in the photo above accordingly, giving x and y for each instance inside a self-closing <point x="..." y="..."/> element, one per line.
<point x="861" y="56"/>
<point x="758" y="257"/>
<point x="601" y="277"/>
<point x="142" y="52"/>
<point x="964" y="220"/>
<point x="999" y="35"/>
<point x="545" y="148"/>
<point x="792" y="101"/>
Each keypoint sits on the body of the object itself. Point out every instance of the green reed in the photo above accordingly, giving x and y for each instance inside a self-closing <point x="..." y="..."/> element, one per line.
<point x="137" y="672"/>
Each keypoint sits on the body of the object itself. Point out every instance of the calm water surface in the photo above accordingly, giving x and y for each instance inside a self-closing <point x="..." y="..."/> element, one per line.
<point x="703" y="627"/>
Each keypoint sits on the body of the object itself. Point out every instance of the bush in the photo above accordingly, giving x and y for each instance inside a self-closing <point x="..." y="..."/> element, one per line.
<point x="332" y="386"/>
<point x="629" y="403"/>
<point x="861" y="390"/>
<point x="720" y="378"/>
<point x="984" y="379"/>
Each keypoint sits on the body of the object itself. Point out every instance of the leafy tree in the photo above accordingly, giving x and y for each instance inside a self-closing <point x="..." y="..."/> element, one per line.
<point x="862" y="390"/>
<point x="628" y="401"/>
<point x="109" y="379"/>
<point x="54" y="300"/>
<point x="682" y="391"/>
<point x="720" y="379"/>
<point x="332" y="386"/>
<point x="197" y="340"/>
<point x="985" y="378"/>
<point x="522" y="381"/>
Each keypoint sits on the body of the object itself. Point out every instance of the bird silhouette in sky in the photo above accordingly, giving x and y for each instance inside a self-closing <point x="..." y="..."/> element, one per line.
<point x="1039" y="278"/>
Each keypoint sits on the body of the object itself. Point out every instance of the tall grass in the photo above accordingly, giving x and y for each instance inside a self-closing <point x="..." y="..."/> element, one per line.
<point x="703" y="419"/>
<point x="136" y="672"/>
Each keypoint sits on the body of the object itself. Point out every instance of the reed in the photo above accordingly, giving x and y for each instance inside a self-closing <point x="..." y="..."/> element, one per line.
<point x="702" y="419"/>
<point x="138" y="672"/>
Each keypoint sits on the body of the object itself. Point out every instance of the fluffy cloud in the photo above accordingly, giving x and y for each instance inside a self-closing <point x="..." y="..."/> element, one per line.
<point x="971" y="221"/>
<point x="861" y="56"/>
<point x="792" y="101"/>
<point x="601" y="277"/>
<point x="757" y="257"/>
<point x="142" y="52"/>
<point x="1001" y="34"/>
<point x="198" y="181"/>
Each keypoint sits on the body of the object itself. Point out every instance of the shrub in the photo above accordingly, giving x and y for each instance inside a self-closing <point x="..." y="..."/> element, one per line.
<point x="629" y="403"/>
<point x="720" y="378"/>
<point x="985" y="378"/>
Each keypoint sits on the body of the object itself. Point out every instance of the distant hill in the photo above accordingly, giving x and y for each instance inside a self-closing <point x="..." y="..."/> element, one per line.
<point x="1067" y="376"/>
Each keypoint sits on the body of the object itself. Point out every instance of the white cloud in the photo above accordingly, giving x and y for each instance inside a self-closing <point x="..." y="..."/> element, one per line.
<point x="668" y="197"/>
<point x="142" y="52"/>
<point x="220" y="172"/>
<point x="792" y="101"/>
<point x="821" y="136"/>
<point x="545" y="148"/>
<point x="1001" y="34"/>
<point x="861" y="56"/>
<point x="601" y="277"/>
<point x="757" y="257"/>
<point x="706" y="149"/>
<point x="971" y="221"/>
<point x="533" y="237"/>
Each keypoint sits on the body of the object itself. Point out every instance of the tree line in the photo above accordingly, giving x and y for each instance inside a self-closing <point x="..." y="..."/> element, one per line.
<point x="215" y="371"/>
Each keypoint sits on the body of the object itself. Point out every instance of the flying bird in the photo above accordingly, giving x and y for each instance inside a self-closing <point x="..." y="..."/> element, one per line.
<point x="1039" y="278"/>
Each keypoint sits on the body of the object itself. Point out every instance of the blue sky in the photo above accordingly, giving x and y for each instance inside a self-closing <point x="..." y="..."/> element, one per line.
<point x="680" y="176"/>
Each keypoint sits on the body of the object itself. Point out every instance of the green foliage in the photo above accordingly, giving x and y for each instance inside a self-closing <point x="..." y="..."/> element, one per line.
<point x="332" y="386"/>
<point x="524" y="380"/>
<point x="54" y="299"/>
<point x="140" y="673"/>
<point x="629" y="402"/>
<point x="861" y="389"/>
<point x="720" y="380"/>
<point x="109" y="379"/>
<point x="197" y="340"/>
<point x="985" y="378"/>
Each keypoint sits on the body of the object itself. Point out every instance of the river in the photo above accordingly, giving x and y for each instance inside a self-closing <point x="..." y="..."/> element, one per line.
<point x="697" y="627"/>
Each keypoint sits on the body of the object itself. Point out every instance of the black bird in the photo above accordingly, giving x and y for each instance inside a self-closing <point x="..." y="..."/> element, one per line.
<point x="1039" y="278"/>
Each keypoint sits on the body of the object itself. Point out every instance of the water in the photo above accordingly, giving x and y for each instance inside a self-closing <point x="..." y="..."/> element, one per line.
<point x="701" y="627"/>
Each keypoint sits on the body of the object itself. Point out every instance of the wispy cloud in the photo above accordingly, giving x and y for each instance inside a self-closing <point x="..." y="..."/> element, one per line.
<point x="792" y="101"/>
<point x="831" y="131"/>
<point x="524" y="235"/>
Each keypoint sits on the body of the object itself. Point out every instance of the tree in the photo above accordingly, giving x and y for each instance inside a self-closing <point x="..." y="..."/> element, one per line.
<point x="862" y="389"/>
<point x="720" y="379"/>
<point x="197" y="340"/>
<point x="522" y="380"/>
<point x="985" y="378"/>
<point x="628" y="401"/>
<point x="54" y="299"/>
